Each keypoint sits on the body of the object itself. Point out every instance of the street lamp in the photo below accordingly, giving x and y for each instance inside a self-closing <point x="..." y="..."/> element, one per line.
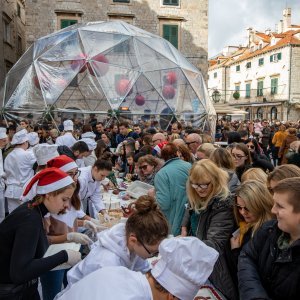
<point x="216" y="96"/>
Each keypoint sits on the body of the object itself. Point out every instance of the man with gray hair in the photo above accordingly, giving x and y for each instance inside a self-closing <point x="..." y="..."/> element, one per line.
<point x="193" y="141"/>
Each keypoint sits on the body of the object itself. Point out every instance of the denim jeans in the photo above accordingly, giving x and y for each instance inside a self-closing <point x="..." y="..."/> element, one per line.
<point x="52" y="282"/>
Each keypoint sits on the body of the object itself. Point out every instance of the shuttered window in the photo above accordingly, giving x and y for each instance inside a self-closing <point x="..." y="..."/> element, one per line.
<point x="170" y="33"/>
<point x="66" y="23"/>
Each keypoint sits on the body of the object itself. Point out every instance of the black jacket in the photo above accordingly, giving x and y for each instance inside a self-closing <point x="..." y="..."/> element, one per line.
<point x="215" y="226"/>
<point x="265" y="271"/>
<point x="23" y="244"/>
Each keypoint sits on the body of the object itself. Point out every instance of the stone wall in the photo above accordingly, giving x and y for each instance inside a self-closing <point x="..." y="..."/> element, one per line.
<point x="10" y="49"/>
<point x="42" y="18"/>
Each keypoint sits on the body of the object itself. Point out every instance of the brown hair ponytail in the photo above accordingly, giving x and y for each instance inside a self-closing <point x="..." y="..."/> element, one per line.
<point x="147" y="222"/>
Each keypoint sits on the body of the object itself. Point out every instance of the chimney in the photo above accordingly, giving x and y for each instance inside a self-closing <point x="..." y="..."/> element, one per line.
<point x="287" y="19"/>
<point x="280" y="27"/>
<point x="249" y="35"/>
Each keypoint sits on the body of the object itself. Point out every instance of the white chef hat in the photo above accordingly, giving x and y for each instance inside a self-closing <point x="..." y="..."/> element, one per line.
<point x="88" y="135"/>
<point x="3" y="134"/>
<point x="45" y="152"/>
<point x="185" y="265"/>
<point x="20" y="137"/>
<point x="68" y="125"/>
<point x="90" y="143"/>
<point x="33" y="138"/>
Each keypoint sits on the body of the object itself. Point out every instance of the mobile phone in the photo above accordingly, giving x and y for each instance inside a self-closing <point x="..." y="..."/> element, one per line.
<point x="236" y="233"/>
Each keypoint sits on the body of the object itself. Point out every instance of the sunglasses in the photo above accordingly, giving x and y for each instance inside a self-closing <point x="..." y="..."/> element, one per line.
<point x="188" y="143"/>
<point x="151" y="254"/>
<point x="144" y="167"/>
<point x="240" y="208"/>
<point x="250" y="146"/>
<point x="200" y="186"/>
<point x="74" y="174"/>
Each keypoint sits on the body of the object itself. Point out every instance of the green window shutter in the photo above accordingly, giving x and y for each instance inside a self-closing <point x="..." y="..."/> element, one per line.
<point x="171" y="2"/>
<point x="248" y="90"/>
<point x="66" y="23"/>
<point x="170" y="33"/>
<point x="260" y="88"/>
<point x="271" y="58"/>
<point x="274" y="86"/>
<point x="279" y="56"/>
<point x="260" y="61"/>
<point x="238" y="68"/>
<point x="124" y="1"/>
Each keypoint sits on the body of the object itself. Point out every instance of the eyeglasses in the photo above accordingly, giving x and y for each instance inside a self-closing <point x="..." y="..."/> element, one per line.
<point x="240" y="208"/>
<point x="201" y="186"/>
<point x="188" y="143"/>
<point x="151" y="254"/>
<point x="238" y="156"/>
<point x="144" y="167"/>
<point x="250" y="146"/>
<point x="74" y="174"/>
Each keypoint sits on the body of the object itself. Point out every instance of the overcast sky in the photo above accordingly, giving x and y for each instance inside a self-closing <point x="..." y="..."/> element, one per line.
<point x="228" y="19"/>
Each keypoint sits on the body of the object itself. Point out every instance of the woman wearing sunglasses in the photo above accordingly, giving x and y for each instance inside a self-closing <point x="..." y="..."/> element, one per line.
<point x="210" y="217"/>
<point x="252" y="208"/>
<point x="126" y="244"/>
<point x="259" y="160"/>
<point x="148" y="166"/>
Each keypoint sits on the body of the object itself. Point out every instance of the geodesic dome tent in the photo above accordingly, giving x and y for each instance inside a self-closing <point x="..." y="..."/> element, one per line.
<point x="106" y="68"/>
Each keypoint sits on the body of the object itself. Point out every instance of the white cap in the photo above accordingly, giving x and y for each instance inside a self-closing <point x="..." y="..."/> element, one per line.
<point x="20" y="137"/>
<point x="3" y="134"/>
<point x="33" y="138"/>
<point x="90" y="143"/>
<point x="68" y="125"/>
<point x="45" y="152"/>
<point x="88" y="135"/>
<point x="185" y="265"/>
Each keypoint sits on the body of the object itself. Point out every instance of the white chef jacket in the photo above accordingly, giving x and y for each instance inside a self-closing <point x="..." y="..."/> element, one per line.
<point x="90" y="160"/>
<point x="66" y="140"/>
<point x="110" y="283"/>
<point x="110" y="250"/>
<point x="18" y="168"/>
<point x="90" y="190"/>
<point x="69" y="216"/>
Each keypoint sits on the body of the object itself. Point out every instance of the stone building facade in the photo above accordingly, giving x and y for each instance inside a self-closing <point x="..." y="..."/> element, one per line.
<point x="183" y="22"/>
<point x="12" y="35"/>
<point x="263" y="77"/>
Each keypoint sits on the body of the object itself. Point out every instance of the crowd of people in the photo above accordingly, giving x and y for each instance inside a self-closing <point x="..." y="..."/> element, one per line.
<point x="231" y="200"/>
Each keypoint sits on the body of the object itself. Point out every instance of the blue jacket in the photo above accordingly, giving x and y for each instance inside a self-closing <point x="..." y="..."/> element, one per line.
<point x="120" y="138"/>
<point x="170" y="185"/>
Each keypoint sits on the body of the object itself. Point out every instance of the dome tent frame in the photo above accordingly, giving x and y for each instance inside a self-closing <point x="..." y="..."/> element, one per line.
<point x="101" y="66"/>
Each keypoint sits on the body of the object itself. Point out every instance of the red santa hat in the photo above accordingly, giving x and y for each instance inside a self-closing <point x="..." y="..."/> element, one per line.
<point x="49" y="180"/>
<point x="62" y="162"/>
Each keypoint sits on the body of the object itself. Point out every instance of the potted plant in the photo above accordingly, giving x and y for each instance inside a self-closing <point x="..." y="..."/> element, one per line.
<point x="236" y="95"/>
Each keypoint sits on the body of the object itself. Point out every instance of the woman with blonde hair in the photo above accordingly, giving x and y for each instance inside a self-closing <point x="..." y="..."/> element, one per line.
<point x="223" y="159"/>
<point x="280" y="173"/>
<point x="256" y="174"/>
<point x="252" y="208"/>
<point x="210" y="217"/>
